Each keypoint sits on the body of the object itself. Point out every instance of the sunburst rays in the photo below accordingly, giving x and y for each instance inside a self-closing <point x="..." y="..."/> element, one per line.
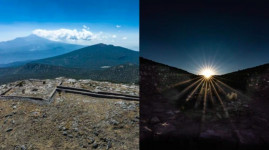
<point x="205" y="93"/>
<point x="207" y="90"/>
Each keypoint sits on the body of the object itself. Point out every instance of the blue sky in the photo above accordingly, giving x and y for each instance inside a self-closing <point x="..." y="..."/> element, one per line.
<point x="91" y="21"/>
<point x="229" y="35"/>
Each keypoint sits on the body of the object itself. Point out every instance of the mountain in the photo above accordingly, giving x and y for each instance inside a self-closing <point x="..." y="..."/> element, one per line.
<point x="32" y="47"/>
<point x="247" y="79"/>
<point x="160" y="76"/>
<point x="94" y="57"/>
<point x="127" y="73"/>
<point x="15" y="64"/>
<point x="98" y="62"/>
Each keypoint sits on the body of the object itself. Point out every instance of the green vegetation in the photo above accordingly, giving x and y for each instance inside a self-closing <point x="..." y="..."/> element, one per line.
<point x="94" y="57"/>
<point x="98" y="62"/>
<point x="127" y="73"/>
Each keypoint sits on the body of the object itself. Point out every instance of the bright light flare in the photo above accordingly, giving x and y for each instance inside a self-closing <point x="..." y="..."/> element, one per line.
<point x="207" y="72"/>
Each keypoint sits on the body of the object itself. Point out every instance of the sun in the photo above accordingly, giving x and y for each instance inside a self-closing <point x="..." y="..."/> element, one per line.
<point x="207" y="72"/>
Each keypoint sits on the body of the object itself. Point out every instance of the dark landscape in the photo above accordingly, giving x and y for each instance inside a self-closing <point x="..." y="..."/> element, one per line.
<point x="182" y="110"/>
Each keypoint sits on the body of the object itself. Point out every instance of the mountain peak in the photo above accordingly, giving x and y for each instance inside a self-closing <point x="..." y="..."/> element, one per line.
<point x="31" y="38"/>
<point x="94" y="57"/>
<point x="32" y="47"/>
<point x="101" y="45"/>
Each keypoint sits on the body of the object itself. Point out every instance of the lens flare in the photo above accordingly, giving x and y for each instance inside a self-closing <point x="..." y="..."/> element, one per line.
<point x="207" y="72"/>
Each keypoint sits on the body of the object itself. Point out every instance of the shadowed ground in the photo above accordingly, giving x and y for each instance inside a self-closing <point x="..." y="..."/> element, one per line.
<point x="179" y="109"/>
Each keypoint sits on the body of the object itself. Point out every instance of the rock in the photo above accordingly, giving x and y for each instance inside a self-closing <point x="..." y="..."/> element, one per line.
<point x="35" y="113"/>
<point x="154" y="120"/>
<point x="96" y="133"/>
<point x="170" y="113"/>
<point x="23" y="147"/>
<point x="9" y="130"/>
<point x="76" y="129"/>
<point x="90" y="140"/>
<point x="104" y="139"/>
<point x="164" y="128"/>
<point x="120" y="103"/>
<point x="95" y="145"/>
<point x="65" y="133"/>
<point x="35" y="89"/>
<point x="146" y="129"/>
<point x="247" y="137"/>
<point x="177" y="111"/>
<point x="44" y="116"/>
<point x="218" y="115"/>
<point x="217" y="134"/>
<point x="246" y="105"/>
<point x="64" y="129"/>
<point x="114" y="122"/>
<point x="109" y="145"/>
<point x="59" y="127"/>
<point x="9" y="115"/>
<point x="260" y="120"/>
<point x="131" y="107"/>
<point x="135" y="120"/>
<point x="207" y="134"/>
<point x="70" y="136"/>
<point x="71" y="80"/>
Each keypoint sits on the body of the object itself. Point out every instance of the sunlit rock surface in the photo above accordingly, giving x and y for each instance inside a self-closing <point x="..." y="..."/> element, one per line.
<point x="70" y="121"/>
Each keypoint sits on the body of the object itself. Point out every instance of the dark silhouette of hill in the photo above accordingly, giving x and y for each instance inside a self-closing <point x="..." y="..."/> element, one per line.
<point x="153" y="74"/>
<point x="182" y="110"/>
<point x="153" y="63"/>
<point x="94" y="57"/>
<point x="32" y="47"/>
<point x="247" y="78"/>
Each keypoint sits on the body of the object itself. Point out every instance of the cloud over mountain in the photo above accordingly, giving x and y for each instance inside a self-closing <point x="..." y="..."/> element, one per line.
<point x="85" y="36"/>
<point x="67" y="35"/>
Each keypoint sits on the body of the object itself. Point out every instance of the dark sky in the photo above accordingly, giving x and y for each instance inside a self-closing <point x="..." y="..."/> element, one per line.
<point x="231" y="35"/>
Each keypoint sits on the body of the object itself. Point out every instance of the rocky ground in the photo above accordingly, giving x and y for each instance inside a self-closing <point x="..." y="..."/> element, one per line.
<point x="70" y="121"/>
<point x="102" y="86"/>
<point x="167" y="124"/>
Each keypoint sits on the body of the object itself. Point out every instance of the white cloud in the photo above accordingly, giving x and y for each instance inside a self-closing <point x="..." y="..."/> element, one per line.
<point x="85" y="27"/>
<point x="66" y="35"/>
<point x="84" y="36"/>
<point x="118" y="26"/>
